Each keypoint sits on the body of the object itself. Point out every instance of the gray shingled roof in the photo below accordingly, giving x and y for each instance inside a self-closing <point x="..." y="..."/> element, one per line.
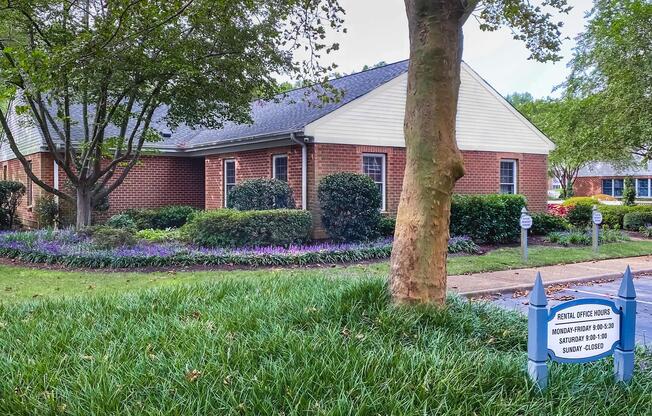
<point x="288" y="113"/>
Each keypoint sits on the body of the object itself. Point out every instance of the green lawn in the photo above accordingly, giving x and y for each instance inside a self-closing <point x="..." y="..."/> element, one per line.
<point x="285" y="343"/>
<point x="19" y="283"/>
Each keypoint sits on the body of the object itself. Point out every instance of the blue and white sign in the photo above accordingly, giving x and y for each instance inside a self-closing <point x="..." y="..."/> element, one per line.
<point x="582" y="330"/>
<point x="596" y="217"/>
<point x="526" y="221"/>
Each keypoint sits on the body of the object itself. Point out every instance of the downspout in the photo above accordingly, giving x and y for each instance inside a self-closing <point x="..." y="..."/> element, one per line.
<point x="304" y="170"/>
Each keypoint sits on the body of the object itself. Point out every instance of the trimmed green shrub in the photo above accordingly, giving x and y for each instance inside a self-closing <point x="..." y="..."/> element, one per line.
<point x="173" y="216"/>
<point x="350" y="207"/>
<point x="580" y="200"/>
<point x="580" y="215"/>
<point x="387" y="226"/>
<point x="635" y="220"/>
<point x="121" y="221"/>
<point x="233" y="228"/>
<point x="159" y="236"/>
<point x="629" y="192"/>
<point x="487" y="218"/>
<point x="613" y="215"/>
<point x="106" y="238"/>
<point x="46" y="211"/>
<point x="544" y="223"/>
<point x="11" y="193"/>
<point x="261" y="194"/>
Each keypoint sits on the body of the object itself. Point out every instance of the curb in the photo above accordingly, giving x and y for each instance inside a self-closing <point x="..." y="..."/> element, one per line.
<point x="528" y="286"/>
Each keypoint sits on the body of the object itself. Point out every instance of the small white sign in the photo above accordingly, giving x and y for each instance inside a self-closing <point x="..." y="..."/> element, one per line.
<point x="597" y="217"/>
<point x="583" y="331"/>
<point x="526" y="221"/>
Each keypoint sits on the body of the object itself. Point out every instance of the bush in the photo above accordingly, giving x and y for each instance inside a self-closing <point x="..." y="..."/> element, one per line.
<point x="544" y="223"/>
<point x="487" y="218"/>
<point x="387" y="226"/>
<point x="233" y="228"/>
<point x="613" y="215"/>
<point x="629" y="192"/>
<point x="580" y="215"/>
<point x="159" y="236"/>
<point x="261" y="194"/>
<point x="10" y="195"/>
<point x="635" y="220"/>
<point x="580" y="200"/>
<point x="106" y="238"/>
<point x="46" y="211"/>
<point x="173" y="216"/>
<point x="604" y="197"/>
<point x="121" y="221"/>
<point x="350" y="205"/>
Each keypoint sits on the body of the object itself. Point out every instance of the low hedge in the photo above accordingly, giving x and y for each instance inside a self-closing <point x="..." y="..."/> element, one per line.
<point x="487" y="218"/>
<point x="613" y="215"/>
<point x="232" y="228"/>
<point x="633" y="221"/>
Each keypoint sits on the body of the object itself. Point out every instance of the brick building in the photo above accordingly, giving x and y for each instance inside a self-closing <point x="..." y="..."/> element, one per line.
<point x="609" y="179"/>
<point x="299" y="141"/>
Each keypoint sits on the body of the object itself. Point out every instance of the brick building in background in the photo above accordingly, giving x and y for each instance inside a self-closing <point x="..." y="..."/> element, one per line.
<point x="298" y="140"/>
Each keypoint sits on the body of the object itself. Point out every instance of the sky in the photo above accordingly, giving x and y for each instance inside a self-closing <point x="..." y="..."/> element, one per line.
<point x="377" y="31"/>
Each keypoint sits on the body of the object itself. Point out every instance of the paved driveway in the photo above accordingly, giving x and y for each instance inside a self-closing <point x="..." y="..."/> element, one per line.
<point x="600" y="289"/>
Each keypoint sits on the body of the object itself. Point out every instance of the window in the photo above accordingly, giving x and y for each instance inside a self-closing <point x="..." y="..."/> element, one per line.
<point x="373" y="165"/>
<point x="30" y="188"/>
<point x="508" y="177"/>
<point x="643" y="188"/>
<point x="229" y="179"/>
<point x="613" y="187"/>
<point x="5" y="172"/>
<point x="607" y="187"/>
<point x="280" y="167"/>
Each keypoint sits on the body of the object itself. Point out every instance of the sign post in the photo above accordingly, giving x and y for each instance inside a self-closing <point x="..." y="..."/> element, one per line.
<point x="582" y="330"/>
<point x="526" y="224"/>
<point x="596" y="220"/>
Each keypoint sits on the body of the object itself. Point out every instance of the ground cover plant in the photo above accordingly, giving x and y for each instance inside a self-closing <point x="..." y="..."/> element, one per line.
<point x="105" y="247"/>
<point x="289" y="342"/>
<point x="582" y="237"/>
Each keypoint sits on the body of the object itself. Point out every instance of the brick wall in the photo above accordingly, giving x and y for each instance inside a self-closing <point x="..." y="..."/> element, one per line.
<point x="482" y="172"/>
<point x="587" y="186"/>
<point x="154" y="182"/>
<point x="251" y="164"/>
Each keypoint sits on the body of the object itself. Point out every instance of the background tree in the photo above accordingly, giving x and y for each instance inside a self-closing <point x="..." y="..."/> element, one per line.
<point x="571" y="123"/>
<point x="612" y="64"/>
<point x="116" y="63"/>
<point x="433" y="161"/>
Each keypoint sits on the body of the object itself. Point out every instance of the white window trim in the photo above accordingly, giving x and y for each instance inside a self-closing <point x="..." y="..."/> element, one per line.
<point x="384" y="176"/>
<point x="224" y="184"/>
<point x="515" y="183"/>
<point x="287" y="165"/>
<point x="649" y="182"/>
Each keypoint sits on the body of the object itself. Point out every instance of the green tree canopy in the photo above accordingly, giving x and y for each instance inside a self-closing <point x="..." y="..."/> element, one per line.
<point x="612" y="65"/>
<point x="118" y="62"/>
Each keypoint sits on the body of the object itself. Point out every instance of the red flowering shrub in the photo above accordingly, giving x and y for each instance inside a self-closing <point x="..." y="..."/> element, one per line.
<point x="558" y="210"/>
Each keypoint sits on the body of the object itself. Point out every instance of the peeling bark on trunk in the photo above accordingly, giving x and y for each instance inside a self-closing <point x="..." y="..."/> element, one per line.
<point x="433" y="161"/>
<point x="84" y="208"/>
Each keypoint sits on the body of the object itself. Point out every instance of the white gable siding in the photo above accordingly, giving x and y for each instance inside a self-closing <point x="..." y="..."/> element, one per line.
<point x="24" y="130"/>
<point x="485" y="121"/>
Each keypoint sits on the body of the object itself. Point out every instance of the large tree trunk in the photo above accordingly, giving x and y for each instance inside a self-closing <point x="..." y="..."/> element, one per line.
<point x="433" y="161"/>
<point x="84" y="207"/>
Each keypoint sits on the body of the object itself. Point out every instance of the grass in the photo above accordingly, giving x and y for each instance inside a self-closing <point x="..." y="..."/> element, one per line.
<point x="18" y="283"/>
<point x="286" y="344"/>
